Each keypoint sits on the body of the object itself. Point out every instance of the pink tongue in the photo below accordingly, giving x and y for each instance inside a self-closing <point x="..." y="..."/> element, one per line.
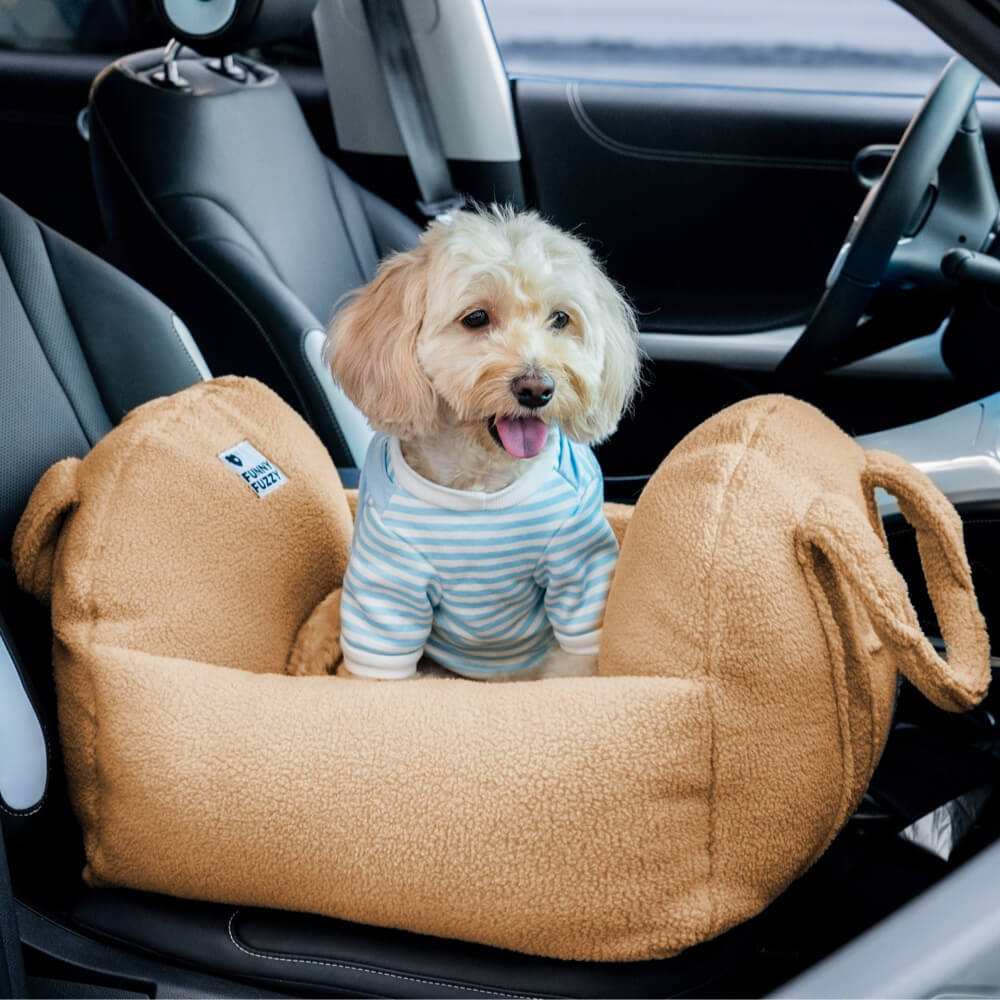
<point x="522" y="437"/>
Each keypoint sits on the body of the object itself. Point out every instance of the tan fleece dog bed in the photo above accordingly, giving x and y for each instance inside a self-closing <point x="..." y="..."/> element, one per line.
<point x="751" y="646"/>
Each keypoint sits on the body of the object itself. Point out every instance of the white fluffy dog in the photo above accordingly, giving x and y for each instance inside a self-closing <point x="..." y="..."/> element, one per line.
<point x="489" y="357"/>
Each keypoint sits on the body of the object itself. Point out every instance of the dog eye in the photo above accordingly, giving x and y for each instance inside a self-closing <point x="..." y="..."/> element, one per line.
<point x="476" y="319"/>
<point x="558" y="320"/>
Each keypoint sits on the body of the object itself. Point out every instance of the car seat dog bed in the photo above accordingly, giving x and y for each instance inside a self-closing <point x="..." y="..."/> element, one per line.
<point x="748" y="667"/>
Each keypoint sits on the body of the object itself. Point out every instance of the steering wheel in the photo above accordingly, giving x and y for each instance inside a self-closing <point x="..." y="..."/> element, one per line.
<point x="935" y="194"/>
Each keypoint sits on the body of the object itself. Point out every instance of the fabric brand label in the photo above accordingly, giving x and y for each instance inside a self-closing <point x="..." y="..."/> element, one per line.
<point x="258" y="472"/>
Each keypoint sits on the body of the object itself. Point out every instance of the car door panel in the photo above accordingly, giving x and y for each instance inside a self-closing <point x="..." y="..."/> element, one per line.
<point x="720" y="210"/>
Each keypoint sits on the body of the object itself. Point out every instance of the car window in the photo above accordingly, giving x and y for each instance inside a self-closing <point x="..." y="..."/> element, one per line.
<point x="838" y="45"/>
<point x="110" y="26"/>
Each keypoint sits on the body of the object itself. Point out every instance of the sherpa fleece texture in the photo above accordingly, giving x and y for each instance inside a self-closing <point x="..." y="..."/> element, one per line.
<point x="750" y="651"/>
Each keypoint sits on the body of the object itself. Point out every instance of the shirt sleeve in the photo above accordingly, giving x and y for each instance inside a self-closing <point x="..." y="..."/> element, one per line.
<point x="575" y="571"/>
<point x="386" y="608"/>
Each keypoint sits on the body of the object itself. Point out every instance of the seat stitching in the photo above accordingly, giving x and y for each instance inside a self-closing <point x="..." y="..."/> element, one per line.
<point x="232" y="215"/>
<point x="17" y="813"/>
<point x="320" y="392"/>
<point x="209" y="238"/>
<point x="338" y="434"/>
<point x="169" y="323"/>
<point x="184" y="347"/>
<point x="198" y="263"/>
<point x="45" y="354"/>
<point x="37" y="807"/>
<point x="350" y="966"/>
<point x="340" y="208"/>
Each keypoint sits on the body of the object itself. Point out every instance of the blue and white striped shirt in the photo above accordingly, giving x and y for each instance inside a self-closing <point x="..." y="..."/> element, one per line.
<point x="481" y="582"/>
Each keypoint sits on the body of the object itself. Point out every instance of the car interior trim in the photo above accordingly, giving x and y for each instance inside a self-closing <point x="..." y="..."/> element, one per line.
<point x="23" y="753"/>
<point x="959" y="450"/>
<point x="144" y="974"/>
<point x="187" y="342"/>
<point x="356" y="967"/>
<point x="352" y="423"/>
<point x="341" y="957"/>
<point x="598" y="135"/>
<point x="453" y="40"/>
<point x="931" y="947"/>
<point x="197" y="263"/>
<point x="762" y="351"/>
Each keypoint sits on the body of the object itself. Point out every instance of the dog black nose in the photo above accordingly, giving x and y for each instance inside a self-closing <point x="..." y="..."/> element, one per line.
<point x="532" y="391"/>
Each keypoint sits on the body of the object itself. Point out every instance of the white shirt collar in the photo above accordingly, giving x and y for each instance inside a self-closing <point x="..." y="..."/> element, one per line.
<point x="443" y="496"/>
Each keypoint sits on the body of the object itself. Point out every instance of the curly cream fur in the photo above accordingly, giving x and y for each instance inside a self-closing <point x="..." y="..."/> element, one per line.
<point x="401" y="353"/>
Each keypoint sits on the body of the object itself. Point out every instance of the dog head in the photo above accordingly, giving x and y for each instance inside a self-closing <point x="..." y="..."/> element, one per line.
<point x="498" y="322"/>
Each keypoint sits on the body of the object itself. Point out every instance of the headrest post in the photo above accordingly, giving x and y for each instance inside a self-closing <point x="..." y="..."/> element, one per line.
<point x="168" y="75"/>
<point x="228" y="66"/>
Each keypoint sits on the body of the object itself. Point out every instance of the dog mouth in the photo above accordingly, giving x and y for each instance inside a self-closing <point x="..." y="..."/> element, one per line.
<point x="521" y="437"/>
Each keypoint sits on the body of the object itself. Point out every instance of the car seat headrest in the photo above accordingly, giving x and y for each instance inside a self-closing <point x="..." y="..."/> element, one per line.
<point x="220" y="27"/>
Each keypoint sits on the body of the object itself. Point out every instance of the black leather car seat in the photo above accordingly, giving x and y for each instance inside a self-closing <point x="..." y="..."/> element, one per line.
<point x="216" y="197"/>
<point x="81" y="344"/>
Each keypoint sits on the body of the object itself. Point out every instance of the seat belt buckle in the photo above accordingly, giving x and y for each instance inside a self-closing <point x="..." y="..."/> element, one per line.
<point x="442" y="209"/>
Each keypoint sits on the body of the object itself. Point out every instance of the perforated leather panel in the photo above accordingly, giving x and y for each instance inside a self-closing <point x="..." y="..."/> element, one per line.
<point x="70" y="326"/>
<point x="49" y="405"/>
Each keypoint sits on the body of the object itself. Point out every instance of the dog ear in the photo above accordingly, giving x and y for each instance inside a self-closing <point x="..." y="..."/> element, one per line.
<point x="622" y="357"/>
<point x="371" y="348"/>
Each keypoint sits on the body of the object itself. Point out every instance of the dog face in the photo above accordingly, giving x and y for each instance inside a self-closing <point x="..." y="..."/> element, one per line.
<point x="498" y="322"/>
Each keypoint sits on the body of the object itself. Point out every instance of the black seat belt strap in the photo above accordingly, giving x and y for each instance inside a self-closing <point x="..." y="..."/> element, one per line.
<point x="397" y="59"/>
<point x="12" y="981"/>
